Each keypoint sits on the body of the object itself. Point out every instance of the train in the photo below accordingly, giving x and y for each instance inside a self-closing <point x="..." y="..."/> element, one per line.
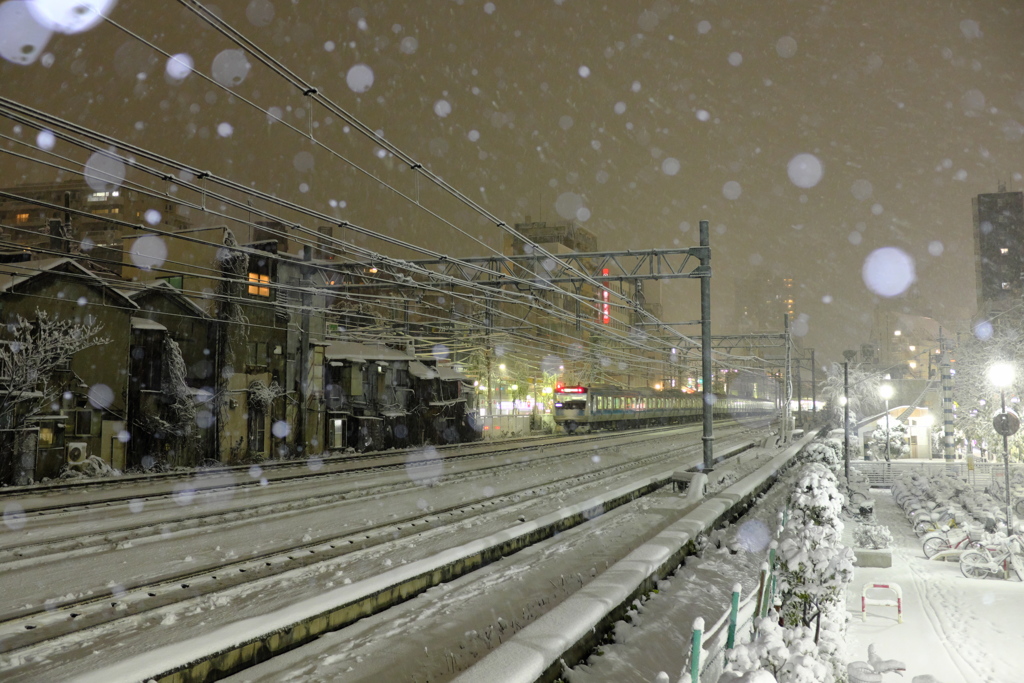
<point x="580" y="408"/>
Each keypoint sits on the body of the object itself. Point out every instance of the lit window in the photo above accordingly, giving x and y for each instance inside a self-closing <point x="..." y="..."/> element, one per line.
<point x="1006" y="285"/>
<point x="259" y="284"/>
<point x="896" y="333"/>
<point x="22" y="217"/>
<point x="912" y="347"/>
<point x="1004" y="250"/>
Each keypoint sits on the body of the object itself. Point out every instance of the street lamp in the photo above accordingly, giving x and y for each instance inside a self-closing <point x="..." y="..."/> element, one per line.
<point x="1005" y="423"/>
<point x="885" y="391"/>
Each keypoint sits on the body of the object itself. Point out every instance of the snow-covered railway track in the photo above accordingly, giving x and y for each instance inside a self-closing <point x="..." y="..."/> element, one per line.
<point x="117" y="520"/>
<point x="98" y="494"/>
<point x="49" y="624"/>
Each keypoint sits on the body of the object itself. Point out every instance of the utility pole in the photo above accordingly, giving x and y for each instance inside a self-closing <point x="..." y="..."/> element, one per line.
<point x="846" y="421"/>
<point x="788" y="385"/>
<point x="947" y="401"/>
<point x="304" y="370"/>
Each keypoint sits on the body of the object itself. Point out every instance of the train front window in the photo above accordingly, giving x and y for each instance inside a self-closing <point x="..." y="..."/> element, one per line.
<point x="575" y="404"/>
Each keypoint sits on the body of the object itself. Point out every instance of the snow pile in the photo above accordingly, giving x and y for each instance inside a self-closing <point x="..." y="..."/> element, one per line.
<point x="876" y="536"/>
<point x="92" y="466"/>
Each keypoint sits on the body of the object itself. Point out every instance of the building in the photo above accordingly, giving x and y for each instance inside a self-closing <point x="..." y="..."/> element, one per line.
<point x="998" y="250"/>
<point x="763" y="298"/>
<point x="26" y="223"/>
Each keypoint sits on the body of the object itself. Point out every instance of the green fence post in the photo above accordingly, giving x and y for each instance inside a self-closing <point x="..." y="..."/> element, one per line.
<point x="730" y="641"/>
<point x="698" y="629"/>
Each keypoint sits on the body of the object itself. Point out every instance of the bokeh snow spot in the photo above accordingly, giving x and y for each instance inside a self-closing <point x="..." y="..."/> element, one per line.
<point x="703" y="115"/>
<point x="704" y="27"/>
<point x="259" y="12"/>
<point x="183" y="494"/>
<point x="225" y="129"/>
<point x="408" y="45"/>
<point x="303" y="162"/>
<point x="670" y="166"/>
<point x="104" y="171"/>
<point x="888" y="271"/>
<point x="568" y="205"/>
<point x="732" y="190"/>
<point x="315" y="464"/>
<point x="785" y="47"/>
<point x="935" y="248"/>
<point x="136" y="505"/>
<point x="45" y="140"/>
<point x="424" y="467"/>
<point x="473" y="135"/>
<point x="179" y="66"/>
<point x="862" y="189"/>
<point x="735" y="58"/>
<point x="584" y="71"/>
<point x="442" y="108"/>
<point x="152" y="216"/>
<point x="983" y="330"/>
<point x="440" y="352"/>
<point x="804" y="170"/>
<point x="101" y="396"/>
<point x="14" y="516"/>
<point x="281" y="429"/>
<point x="148" y="252"/>
<point x="70" y="16"/>
<point x="230" y="68"/>
<point x="22" y="38"/>
<point x="753" y="536"/>
<point x="359" y="78"/>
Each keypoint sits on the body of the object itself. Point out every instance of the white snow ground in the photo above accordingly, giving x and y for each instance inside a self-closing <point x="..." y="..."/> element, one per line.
<point x="956" y="629"/>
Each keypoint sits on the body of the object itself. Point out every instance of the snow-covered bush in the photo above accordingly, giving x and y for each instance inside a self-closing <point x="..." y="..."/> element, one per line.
<point x="805" y="641"/>
<point x="828" y="452"/>
<point x="874" y="536"/>
<point x="899" y="444"/>
<point x="790" y="655"/>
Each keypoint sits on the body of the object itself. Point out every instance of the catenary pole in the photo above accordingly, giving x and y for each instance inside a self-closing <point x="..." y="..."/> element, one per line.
<point x="705" y="344"/>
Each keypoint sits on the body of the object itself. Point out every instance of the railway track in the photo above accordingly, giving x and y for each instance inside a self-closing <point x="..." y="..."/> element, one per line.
<point x="32" y="632"/>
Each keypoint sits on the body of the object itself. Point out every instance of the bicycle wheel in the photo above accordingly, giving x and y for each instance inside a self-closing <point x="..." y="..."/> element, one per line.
<point x="933" y="544"/>
<point x="974" y="564"/>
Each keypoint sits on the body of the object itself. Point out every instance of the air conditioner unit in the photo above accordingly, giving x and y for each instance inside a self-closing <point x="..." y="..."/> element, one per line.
<point x="78" y="451"/>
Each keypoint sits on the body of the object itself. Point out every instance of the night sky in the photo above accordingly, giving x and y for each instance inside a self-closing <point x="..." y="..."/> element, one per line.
<point x="636" y="119"/>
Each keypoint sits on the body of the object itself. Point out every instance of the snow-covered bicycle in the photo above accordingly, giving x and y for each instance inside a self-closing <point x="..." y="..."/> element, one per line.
<point x="993" y="560"/>
<point x="968" y="537"/>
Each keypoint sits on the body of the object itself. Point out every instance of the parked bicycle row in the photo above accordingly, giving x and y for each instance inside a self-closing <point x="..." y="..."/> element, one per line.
<point x="946" y="512"/>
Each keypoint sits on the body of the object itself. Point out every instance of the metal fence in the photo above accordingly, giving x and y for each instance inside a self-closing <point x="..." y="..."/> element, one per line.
<point x="882" y="474"/>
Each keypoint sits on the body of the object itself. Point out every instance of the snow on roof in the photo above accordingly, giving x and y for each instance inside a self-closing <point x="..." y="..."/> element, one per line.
<point x="13" y="274"/>
<point x="418" y="369"/>
<point x="338" y="350"/>
<point x="163" y="286"/>
<point x="146" y="324"/>
<point x="448" y="374"/>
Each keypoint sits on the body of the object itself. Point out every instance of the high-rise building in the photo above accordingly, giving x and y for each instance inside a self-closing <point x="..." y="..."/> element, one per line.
<point x="762" y="300"/>
<point x="999" y="249"/>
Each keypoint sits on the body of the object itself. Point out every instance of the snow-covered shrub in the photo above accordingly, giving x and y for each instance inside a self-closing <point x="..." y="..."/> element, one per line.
<point x="788" y="654"/>
<point x="814" y="566"/>
<point x="828" y="452"/>
<point x="874" y="536"/>
<point x="899" y="443"/>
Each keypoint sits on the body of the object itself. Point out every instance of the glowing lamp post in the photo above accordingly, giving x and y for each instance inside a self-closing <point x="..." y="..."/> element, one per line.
<point x="885" y="391"/>
<point x="1006" y="423"/>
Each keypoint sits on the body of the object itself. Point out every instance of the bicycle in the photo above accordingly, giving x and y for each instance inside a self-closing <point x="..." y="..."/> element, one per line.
<point x="937" y="541"/>
<point x="985" y="561"/>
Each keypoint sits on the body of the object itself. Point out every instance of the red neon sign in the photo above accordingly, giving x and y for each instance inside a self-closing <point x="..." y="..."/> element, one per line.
<point x="572" y="390"/>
